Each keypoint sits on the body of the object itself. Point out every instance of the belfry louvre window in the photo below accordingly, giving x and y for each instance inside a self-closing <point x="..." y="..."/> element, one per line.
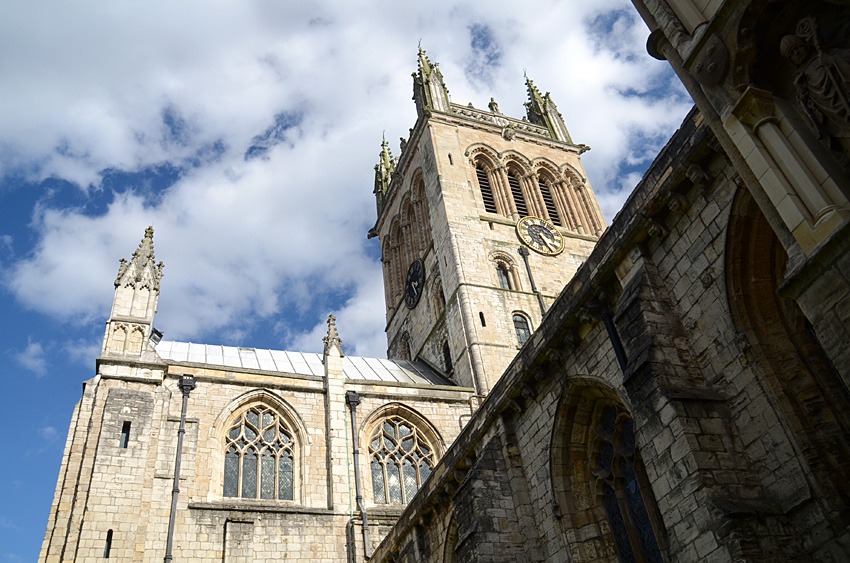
<point x="259" y="456"/>
<point x="401" y="460"/>
<point x="549" y="202"/>
<point x="486" y="190"/>
<point x="519" y="198"/>
<point x="523" y="331"/>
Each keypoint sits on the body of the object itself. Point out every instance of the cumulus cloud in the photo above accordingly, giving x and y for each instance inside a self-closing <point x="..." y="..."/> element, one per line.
<point x="270" y="117"/>
<point x="33" y="358"/>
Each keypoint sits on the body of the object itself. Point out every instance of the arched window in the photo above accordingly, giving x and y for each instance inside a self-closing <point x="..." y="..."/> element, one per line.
<point x="622" y="490"/>
<point x="503" y="276"/>
<point x="401" y="460"/>
<point x="403" y="351"/>
<point x="506" y="274"/>
<point x="522" y="328"/>
<point x="549" y="202"/>
<point x="259" y="456"/>
<point x="447" y="356"/>
<point x="486" y="190"/>
<point x="516" y="192"/>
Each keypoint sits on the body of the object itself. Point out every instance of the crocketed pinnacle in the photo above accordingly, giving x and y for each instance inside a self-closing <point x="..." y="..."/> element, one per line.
<point x="142" y="268"/>
<point x="332" y="338"/>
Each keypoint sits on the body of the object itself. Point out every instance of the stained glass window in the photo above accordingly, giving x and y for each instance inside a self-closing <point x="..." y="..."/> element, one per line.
<point x="401" y="460"/>
<point x="258" y="462"/>
<point x="616" y="468"/>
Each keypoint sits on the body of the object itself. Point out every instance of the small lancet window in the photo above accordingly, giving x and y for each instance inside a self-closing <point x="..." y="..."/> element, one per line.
<point x="447" y="356"/>
<point x="481" y="316"/>
<point x="401" y="460"/>
<point x="125" y="434"/>
<point x="259" y="456"/>
<point x="549" y="202"/>
<point x="523" y="331"/>
<point x="516" y="192"/>
<point x="486" y="190"/>
<point x="108" y="546"/>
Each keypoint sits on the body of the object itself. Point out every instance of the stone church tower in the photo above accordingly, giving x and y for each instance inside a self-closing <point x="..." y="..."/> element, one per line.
<point x="472" y="191"/>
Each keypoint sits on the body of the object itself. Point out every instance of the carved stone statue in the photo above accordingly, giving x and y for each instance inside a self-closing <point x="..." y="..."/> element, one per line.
<point x="823" y="83"/>
<point x="494" y="107"/>
<point x="402" y="143"/>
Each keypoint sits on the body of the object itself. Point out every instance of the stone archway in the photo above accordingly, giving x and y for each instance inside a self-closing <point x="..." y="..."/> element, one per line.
<point x="781" y="344"/>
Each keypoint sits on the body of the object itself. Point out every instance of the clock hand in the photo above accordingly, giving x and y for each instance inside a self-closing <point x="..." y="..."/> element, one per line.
<point x="547" y="243"/>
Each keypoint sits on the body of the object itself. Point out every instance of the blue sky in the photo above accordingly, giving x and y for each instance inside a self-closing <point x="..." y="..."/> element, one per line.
<point x="246" y="133"/>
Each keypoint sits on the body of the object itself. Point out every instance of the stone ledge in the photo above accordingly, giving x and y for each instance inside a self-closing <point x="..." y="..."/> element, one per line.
<point x="260" y="506"/>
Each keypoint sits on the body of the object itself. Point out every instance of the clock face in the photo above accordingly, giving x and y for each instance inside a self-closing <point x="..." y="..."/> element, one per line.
<point x="415" y="284"/>
<point x="540" y="235"/>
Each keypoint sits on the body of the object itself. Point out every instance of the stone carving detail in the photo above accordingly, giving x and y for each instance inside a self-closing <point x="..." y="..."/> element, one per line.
<point x="332" y="338"/>
<point x="501" y="121"/>
<point x="823" y="83"/>
<point x="143" y="258"/>
<point x="711" y="65"/>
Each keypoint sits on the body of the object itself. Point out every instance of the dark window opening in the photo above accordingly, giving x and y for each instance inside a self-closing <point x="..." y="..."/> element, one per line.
<point x="523" y="332"/>
<point x="450" y="161"/>
<point x="481" y="316"/>
<point x="549" y="202"/>
<point x="504" y="278"/>
<point x="447" y="356"/>
<point x="125" y="434"/>
<point x="486" y="191"/>
<point x="519" y="199"/>
<point x="108" y="547"/>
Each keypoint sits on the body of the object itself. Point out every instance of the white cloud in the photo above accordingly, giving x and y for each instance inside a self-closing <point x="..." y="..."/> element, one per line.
<point x="33" y="358"/>
<point x="281" y="235"/>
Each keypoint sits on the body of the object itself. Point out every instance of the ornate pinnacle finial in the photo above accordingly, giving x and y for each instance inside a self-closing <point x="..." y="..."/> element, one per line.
<point x="332" y="339"/>
<point x="134" y="271"/>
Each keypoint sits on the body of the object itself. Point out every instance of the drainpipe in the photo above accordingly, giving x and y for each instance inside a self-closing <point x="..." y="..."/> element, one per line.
<point x="187" y="383"/>
<point x="353" y="399"/>
<point x="523" y="251"/>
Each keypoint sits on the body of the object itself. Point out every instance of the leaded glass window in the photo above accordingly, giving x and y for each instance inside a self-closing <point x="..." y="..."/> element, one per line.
<point x="504" y="277"/>
<point x="401" y="460"/>
<point x="523" y="331"/>
<point x="258" y="458"/>
<point x="617" y="467"/>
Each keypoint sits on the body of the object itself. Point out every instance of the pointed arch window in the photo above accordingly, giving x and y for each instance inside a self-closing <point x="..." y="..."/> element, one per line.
<point x="259" y="456"/>
<point x="401" y="460"/>
<point x="549" y="202"/>
<point x="522" y="328"/>
<point x="516" y="192"/>
<point x="617" y="467"/>
<point x="486" y="190"/>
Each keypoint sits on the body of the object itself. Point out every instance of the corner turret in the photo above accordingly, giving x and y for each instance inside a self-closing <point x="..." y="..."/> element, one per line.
<point x="429" y="90"/>
<point x="541" y="111"/>
<point x="136" y="296"/>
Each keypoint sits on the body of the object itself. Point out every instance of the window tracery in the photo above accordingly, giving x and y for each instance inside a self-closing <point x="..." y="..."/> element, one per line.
<point x="401" y="459"/>
<point x="616" y="468"/>
<point x="259" y="459"/>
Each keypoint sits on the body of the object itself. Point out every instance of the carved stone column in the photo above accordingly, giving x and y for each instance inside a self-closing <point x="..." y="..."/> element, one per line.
<point x="811" y="205"/>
